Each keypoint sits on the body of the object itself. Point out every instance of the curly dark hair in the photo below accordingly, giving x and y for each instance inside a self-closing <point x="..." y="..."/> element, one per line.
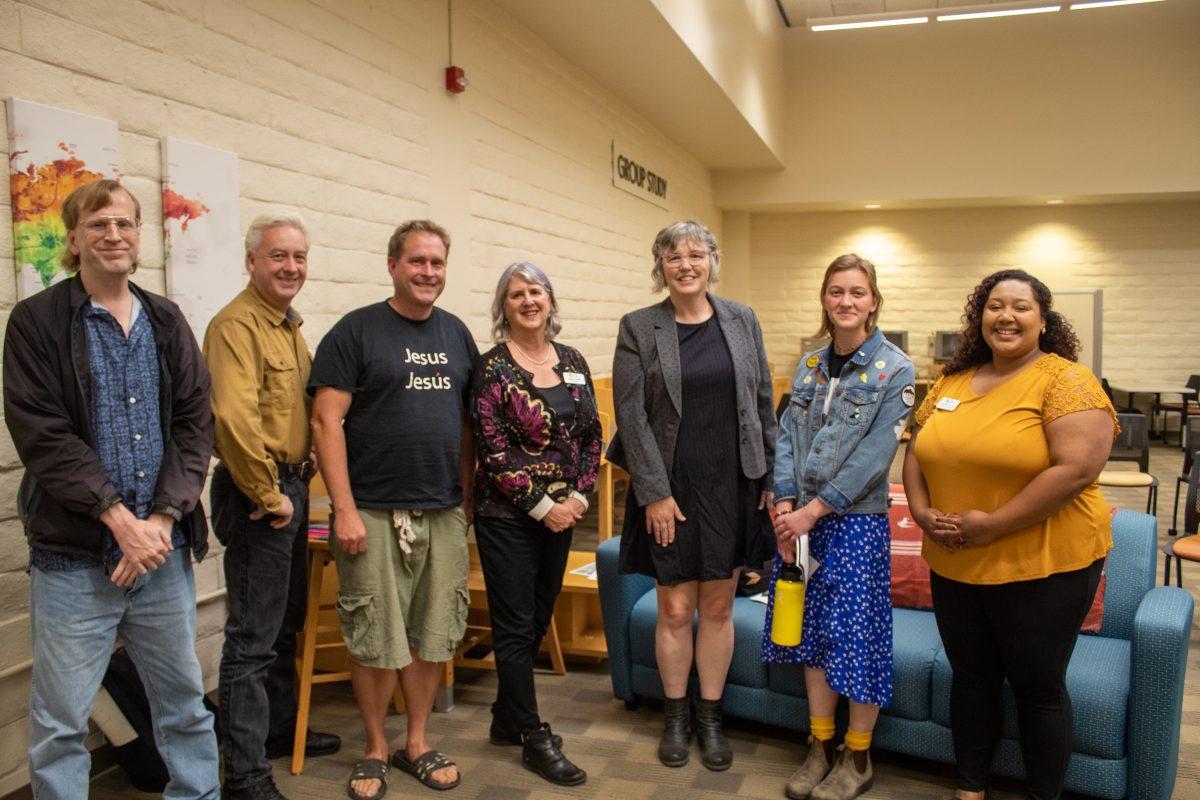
<point x="972" y="350"/>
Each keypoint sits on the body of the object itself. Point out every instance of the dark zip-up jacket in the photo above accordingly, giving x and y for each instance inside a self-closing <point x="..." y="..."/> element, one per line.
<point x="47" y="388"/>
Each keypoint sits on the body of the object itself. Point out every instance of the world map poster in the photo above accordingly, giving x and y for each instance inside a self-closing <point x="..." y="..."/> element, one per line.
<point x="51" y="152"/>
<point x="203" y="243"/>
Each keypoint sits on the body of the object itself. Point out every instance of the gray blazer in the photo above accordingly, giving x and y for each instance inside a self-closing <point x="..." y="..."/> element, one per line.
<point x="647" y="394"/>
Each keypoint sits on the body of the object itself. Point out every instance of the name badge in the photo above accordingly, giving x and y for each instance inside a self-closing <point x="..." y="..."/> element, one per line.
<point x="573" y="377"/>
<point x="947" y="404"/>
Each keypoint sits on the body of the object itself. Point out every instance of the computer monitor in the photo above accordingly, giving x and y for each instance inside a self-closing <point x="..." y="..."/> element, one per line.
<point x="944" y="344"/>
<point x="898" y="338"/>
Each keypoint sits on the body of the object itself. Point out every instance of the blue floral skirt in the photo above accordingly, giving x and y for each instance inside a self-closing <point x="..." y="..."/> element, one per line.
<point x="847" y="608"/>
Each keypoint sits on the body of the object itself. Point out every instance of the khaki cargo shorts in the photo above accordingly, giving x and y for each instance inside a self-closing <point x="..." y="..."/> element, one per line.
<point x="390" y="601"/>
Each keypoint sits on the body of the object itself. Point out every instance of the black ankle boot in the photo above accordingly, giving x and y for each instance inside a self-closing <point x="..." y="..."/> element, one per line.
<point x="504" y="734"/>
<point x="540" y="754"/>
<point x="714" y="750"/>
<point x="677" y="732"/>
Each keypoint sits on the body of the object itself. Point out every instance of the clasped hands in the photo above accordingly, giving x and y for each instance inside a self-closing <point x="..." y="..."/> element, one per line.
<point x="563" y="514"/>
<point x="145" y="543"/>
<point x="954" y="532"/>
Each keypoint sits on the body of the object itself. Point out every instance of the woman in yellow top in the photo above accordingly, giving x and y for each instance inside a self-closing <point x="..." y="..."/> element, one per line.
<point x="1001" y="476"/>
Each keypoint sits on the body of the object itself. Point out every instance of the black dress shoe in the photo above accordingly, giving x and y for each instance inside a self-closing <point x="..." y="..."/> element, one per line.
<point x="263" y="790"/>
<point x="539" y="754"/>
<point x="315" y="744"/>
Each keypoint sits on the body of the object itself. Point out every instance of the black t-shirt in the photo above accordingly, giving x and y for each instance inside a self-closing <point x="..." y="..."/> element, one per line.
<point x="411" y="381"/>
<point x="837" y="361"/>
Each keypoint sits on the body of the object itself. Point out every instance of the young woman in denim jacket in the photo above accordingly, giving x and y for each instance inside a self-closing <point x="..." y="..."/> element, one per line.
<point x="836" y="442"/>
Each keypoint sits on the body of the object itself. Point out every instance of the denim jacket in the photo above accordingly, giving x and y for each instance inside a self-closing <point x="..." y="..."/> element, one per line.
<point x="844" y="456"/>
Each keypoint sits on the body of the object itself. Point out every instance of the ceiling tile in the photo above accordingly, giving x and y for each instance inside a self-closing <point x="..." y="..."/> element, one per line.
<point x="851" y="7"/>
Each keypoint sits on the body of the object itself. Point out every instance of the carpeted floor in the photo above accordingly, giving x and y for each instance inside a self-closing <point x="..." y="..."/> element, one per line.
<point x="617" y="746"/>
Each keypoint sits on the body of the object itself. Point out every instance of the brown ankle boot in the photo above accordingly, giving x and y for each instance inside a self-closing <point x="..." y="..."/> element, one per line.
<point x="812" y="771"/>
<point x="847" y="780"/>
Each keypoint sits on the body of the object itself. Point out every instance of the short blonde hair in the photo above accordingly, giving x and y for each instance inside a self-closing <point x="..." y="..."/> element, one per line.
<point x="396" y="243"/>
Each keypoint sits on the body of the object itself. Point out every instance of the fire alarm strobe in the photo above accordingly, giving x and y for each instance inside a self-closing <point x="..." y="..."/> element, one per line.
<point x="456" y="80"/>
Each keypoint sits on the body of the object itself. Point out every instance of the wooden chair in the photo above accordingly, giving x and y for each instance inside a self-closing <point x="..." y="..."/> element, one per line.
<point x="479" y="627"/>
<point x="1133" y="444"/>
<point x="1185" y="547"/>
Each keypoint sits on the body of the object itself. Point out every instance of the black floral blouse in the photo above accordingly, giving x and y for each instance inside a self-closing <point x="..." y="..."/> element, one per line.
<point x="526" y="451"/>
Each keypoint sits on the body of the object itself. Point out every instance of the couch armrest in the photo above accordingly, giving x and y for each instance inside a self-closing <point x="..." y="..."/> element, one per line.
<point x="618" y="594"/>
<point x="1161" y="629"/>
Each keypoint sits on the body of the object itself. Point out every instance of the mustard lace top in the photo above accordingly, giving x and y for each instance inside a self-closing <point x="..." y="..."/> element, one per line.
<point x="983" y="452"/>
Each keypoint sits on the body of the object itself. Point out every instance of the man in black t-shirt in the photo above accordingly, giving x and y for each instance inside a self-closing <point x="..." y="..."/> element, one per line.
<point x="391" y="384"/>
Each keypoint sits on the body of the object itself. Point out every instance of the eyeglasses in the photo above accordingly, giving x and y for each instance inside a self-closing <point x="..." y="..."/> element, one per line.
<point x="99" y="226"/>
<point x="695" y="258"/>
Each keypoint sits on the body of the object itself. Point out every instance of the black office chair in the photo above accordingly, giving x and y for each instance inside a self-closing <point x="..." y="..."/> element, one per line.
<point x="1189" y="404"/>
<point x="1133" y="444"/>
<point x="1191" y="440"/>
<point x="1185" y="547"/>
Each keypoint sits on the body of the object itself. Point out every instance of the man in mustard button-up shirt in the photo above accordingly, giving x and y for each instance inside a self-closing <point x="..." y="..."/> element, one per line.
<point x="260" y="365"/>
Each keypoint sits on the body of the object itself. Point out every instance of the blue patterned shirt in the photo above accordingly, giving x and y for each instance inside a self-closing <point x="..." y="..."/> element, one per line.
<point x="126" y="430"/>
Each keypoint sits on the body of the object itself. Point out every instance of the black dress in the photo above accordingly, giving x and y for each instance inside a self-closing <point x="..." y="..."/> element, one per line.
<point x="724" y="529"/>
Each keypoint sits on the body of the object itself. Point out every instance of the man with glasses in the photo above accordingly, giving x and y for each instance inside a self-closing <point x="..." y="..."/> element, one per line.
<point x="260" y="365"/>
<point x="106" y="398"/>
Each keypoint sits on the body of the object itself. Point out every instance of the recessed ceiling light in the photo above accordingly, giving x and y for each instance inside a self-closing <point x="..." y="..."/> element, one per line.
<point x="872" y="205"/>
<point x="1104" y="3"/>
<point x="1007" y="12"/>
<point x="1054" y="202"/>
<point x="875" y="23"/>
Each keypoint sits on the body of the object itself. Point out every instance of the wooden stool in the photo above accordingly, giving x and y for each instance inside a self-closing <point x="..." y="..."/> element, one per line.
<point x="321" y="646"/>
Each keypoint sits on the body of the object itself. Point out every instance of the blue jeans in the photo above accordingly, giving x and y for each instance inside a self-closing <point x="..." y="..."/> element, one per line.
<point x="75" y="617"/>
<point x="267" y="589"/>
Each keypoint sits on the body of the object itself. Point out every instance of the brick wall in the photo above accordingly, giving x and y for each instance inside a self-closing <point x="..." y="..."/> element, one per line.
<point x="1146" y="258"/>
<point x="336" y="109"/>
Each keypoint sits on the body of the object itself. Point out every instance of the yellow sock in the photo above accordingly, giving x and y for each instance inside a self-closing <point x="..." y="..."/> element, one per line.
<point x="821" y="727"/>
<point x="857" y="740"/>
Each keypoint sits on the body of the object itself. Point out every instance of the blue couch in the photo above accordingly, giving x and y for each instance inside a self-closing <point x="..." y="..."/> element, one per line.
<point x="1126" y="683"/>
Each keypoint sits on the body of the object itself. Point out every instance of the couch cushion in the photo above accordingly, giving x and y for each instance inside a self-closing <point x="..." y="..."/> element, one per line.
<point x="1098" y="681"/>
<point x="747" y="668"/>
<point x="915" y="644"/>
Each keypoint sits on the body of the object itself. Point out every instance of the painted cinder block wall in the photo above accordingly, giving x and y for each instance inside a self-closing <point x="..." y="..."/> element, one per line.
<point x="1145" y="256"/>
<point x="337" y="110"/>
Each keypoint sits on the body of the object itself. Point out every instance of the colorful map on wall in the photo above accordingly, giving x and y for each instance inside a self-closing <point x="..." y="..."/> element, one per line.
<point x="203" y="243"/>
<point x="51" y="152"/>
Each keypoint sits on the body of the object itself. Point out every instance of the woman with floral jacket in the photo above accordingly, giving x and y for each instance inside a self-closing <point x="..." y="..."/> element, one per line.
<point x="539" y="443"/>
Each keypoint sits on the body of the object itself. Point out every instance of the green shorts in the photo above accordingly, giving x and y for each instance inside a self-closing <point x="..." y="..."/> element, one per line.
<point x="391" y="602"/>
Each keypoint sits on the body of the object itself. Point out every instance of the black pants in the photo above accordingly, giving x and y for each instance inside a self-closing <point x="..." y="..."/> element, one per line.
<point x="523" y="563"/>
<point x="1025" y="632"/>
<point x="267" y="590"/>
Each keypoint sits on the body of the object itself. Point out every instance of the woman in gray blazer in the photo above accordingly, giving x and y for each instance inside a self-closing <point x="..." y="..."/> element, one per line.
<point x="696" y="432"/>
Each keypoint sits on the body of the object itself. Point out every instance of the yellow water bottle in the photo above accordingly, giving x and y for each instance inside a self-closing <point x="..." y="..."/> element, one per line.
<point x="787" y="624"/>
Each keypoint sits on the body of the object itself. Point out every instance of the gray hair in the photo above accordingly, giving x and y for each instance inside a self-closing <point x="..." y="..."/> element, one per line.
<point x="686" y="231"/>
<point x="273" y="219"/>
<point x="530" y="273"/>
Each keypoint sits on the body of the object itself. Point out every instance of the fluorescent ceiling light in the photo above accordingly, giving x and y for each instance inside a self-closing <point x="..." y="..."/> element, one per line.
<point x="875" y="23"/>
<point x="1054" y="202"/>
<point x="1104" y="3"/>
<point x="1007" y="12"/>
<point x="872" y="205"/>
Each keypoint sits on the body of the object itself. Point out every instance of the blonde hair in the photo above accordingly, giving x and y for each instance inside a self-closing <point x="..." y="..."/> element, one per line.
<point x="841" y="264"/>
